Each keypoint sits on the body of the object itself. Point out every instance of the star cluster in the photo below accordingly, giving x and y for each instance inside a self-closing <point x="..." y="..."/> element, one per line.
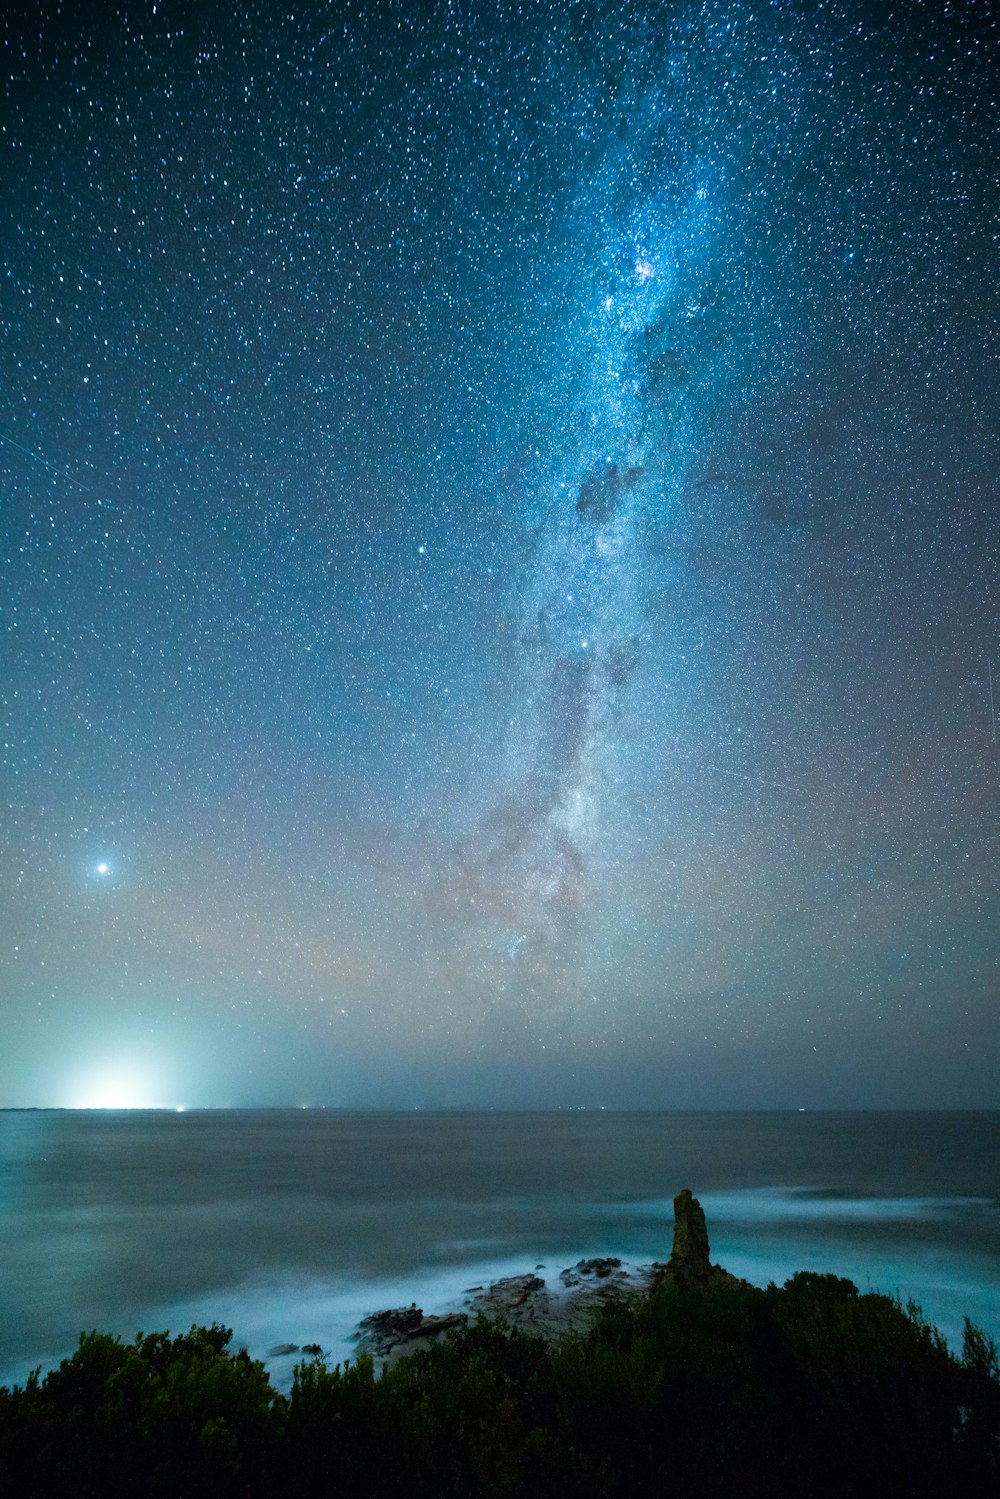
<point x="500" y="553"/>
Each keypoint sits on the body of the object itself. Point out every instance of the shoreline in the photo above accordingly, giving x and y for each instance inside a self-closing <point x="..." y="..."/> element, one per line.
<point x="537" y="1301"/>
<point x="544" y="1300"/>
<point x="565" y="1301"/>
<point x="934" y="1247"/>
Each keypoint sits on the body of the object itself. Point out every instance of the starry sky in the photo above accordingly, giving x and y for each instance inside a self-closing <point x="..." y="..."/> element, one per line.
<point x="500" y="554"/>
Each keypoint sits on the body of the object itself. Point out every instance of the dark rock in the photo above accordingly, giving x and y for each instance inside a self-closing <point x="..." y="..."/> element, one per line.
<point x="514" y="1290"/>
<point x="280" y="1349"/>
<point x="509" y="1294"/>
<point x="432" y="1327"/>
<point x="396" y="1319"/>
<point x="313" y="1349"/>
<point x="601" y="1268"/>
<point x="598" y="1267"/>
<point x="689" y="1259"/>
<point x="383" y="1332"/>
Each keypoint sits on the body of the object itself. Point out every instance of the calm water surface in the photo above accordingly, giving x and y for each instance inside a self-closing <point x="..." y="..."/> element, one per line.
<point x="289" y="1226"/>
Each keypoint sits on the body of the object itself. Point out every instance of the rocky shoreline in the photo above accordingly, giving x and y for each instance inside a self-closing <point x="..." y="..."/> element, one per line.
<point x="548" y="1305"/>
<point x="528" y="1302"/>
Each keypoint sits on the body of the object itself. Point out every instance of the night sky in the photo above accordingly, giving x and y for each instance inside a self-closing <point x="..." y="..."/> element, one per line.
<point x="500" y="554"/>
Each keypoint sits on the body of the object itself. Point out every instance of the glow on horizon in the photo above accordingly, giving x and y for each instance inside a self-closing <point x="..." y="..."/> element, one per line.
<point x="120" y="1087"/>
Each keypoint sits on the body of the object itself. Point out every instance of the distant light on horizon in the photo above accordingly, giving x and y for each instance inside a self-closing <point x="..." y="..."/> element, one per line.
<point x="123" y="1087"/>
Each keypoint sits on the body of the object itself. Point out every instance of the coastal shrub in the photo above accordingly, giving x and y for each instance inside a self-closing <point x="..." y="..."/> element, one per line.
<point x="158" y="1416"/>
<point x="683" y="1387"/>
<point x="339" y="1430"/>
<point x="979" y="1416"/>
<point x="812" y="1388"/>
<point x="739" y="1390"/>
<point x="463" y="1417"/>
<point x="813" y="1283"/>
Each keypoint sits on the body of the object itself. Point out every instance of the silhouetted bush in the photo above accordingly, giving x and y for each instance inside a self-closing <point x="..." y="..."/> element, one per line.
<point x="811" y="1389"/>
<point x="158" y="1416"/>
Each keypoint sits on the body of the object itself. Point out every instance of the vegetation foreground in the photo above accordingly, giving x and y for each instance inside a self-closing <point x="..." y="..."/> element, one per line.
<point x="811" y="1389"/>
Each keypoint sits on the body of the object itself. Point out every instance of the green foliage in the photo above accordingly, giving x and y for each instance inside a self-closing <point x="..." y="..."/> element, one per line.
<point x="979" y="1352"/>
<point x="185" y="1413"/>
<point x="812" y="1389"/>
<point x="979" y="1416"/>
<point x="812" y="1283"/>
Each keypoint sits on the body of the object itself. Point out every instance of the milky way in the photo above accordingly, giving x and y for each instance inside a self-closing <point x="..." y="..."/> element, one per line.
<point x="500" y="552"/>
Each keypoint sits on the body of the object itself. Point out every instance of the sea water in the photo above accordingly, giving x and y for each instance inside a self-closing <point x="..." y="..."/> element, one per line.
<point x="289" y="1226"/>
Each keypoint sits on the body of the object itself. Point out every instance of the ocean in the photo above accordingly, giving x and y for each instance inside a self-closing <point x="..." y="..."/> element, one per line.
<point x="290" y="1225"/>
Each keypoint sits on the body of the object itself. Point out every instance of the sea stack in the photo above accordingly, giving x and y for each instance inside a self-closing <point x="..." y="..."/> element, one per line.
<point x="689" y="1261"/>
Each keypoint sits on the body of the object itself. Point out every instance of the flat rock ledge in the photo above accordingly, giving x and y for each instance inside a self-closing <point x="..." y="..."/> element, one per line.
<point x="399" y="1328"/>
<point x="522" y="1301"/>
